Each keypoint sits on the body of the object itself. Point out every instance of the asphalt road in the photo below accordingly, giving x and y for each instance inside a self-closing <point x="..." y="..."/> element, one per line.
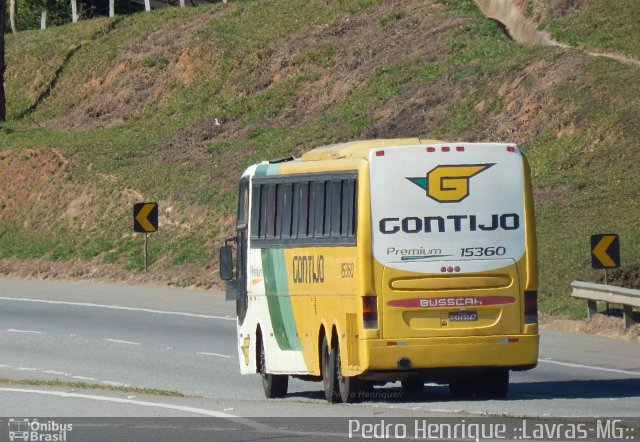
<point x="184" y="341"/>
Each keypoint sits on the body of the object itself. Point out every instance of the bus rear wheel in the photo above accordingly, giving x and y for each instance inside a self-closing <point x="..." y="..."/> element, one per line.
<point x="462" y="389"/>
<point x="491" y="385"/>
<point x="412" y="386"/>
<point x="275" y="385"/>
<point x="329" y="374"/>
<point x="495" y="385"/>
<point x="350" y="387"/>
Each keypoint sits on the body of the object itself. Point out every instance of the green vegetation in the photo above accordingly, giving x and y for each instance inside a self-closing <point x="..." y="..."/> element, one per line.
<point x="604" y="26"/>
<point x="133" y="102"/>
<point x="158" y="61"/>
<point x="392" y="17"/>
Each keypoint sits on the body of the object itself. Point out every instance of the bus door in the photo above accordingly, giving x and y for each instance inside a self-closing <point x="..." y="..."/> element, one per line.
<point x="242" y="243"/>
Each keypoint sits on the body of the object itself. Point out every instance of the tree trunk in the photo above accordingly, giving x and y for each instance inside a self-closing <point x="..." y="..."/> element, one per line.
<point x="43" y="20"/>
<point x="74" y="11"/>
<point x="112" y="8"/>
<point x="182" y="3"/>
<point x="12" y="16"/>
<point x="3" y="104"/>
<point x="147" y="5"/>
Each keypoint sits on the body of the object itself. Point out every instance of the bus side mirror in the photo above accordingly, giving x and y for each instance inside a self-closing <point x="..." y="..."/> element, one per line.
<point x="226" y="263"/>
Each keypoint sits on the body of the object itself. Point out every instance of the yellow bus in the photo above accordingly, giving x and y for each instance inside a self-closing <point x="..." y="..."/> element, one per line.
<point x="380" y="261"/>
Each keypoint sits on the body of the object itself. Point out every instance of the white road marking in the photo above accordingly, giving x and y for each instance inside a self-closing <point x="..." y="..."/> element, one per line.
<point x="67" y="375"/>
<point x="120" y="341"/>
<point x="201" y="411"/>
<point x="118" y="307"/>
<point x="213" y="354"/>
<point x="84" y="378"/>
<point x="65" y="394"/>
<point x="59" y="373"/>
<point x="114" y="384"/>
<point x="590" y="367"/>
<point x="13" y="330"/>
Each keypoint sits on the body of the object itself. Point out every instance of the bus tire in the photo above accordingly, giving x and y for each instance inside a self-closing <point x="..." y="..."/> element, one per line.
<point x="412" y="386"/>
<point x="275" y="385"/>
<point x="350" y="387"/>
<point x="329" y="374"/>
<point x="494" y="385"/>
<point x="462" y="389"/>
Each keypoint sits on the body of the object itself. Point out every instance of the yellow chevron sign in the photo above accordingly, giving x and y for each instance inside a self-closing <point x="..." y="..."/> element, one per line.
<point x="145" y="217"/>
<point x="605" y="251"/>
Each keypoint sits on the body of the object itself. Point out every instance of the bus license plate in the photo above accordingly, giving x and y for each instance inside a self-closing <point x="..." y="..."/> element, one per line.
<point x="463" y="316"/>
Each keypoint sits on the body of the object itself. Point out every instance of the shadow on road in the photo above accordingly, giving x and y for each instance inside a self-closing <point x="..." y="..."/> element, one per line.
<point x="571" y="389"/>
<point x="591" y="389"/>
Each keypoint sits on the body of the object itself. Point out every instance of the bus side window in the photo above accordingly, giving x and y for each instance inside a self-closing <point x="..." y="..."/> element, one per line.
<point x="336" y="218"/>
<point x="270" y="213"/>
<point x="319" y="206"/>
<point x="255" y="211"/>
<point x="279" y="207"/>
<point x="287" y="210"/>
<point x="262" y="233"/>
<point x="243" y="205"/>
<point x="311" y="210"/>
<point x="298" y="211"/>
<point x="349" y="205"/>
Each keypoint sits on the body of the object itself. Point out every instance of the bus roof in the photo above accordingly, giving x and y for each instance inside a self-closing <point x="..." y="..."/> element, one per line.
<point x="359" y="149"/>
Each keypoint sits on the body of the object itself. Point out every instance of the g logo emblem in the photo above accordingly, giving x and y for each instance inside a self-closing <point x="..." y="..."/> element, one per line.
<point x="449" y="184"/>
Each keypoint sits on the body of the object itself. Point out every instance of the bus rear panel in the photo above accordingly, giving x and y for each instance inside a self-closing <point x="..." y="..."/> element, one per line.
<point x="453" y="245"/>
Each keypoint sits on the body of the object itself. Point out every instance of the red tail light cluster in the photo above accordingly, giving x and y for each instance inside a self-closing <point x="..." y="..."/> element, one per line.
<point x="530" y="307"/>
<point x="370" y="311"/>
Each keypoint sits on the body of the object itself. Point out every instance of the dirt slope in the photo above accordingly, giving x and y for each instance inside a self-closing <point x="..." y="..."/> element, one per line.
<point x="313" y="70"/>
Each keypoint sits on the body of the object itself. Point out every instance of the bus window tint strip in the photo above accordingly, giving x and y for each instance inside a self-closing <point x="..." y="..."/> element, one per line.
<point x="295" y="210"/>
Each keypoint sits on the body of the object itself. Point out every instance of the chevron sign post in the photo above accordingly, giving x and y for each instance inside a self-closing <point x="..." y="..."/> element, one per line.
<point x="605" y="252"/>
<point x="145" y="220"/>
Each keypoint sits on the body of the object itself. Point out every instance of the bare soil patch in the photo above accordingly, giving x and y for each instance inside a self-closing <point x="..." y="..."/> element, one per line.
<point x="600" y="324"/>
<point x="138" y="76"/>
<point x="188" y="275"/>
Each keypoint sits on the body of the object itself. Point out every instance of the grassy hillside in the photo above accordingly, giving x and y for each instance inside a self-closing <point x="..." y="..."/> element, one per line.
<point x="110" y="112"/>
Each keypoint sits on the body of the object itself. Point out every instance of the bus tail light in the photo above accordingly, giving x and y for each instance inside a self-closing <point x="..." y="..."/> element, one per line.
<point x="370" y="311"/>
<point x="531" y="307"/>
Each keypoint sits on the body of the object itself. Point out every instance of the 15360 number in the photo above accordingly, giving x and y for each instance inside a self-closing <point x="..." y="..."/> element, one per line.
<point x="483" y="251"/>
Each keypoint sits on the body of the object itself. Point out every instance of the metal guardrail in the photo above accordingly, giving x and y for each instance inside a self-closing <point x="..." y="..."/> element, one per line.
<point x="629" y="298"/>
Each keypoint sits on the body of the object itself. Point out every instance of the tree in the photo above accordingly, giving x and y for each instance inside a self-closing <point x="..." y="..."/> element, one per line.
<point x="32" y="13"/>
<point x="12" y="16"/>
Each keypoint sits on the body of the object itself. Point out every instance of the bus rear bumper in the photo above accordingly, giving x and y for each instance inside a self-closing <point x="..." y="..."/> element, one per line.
<point x="439" y="355"/>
